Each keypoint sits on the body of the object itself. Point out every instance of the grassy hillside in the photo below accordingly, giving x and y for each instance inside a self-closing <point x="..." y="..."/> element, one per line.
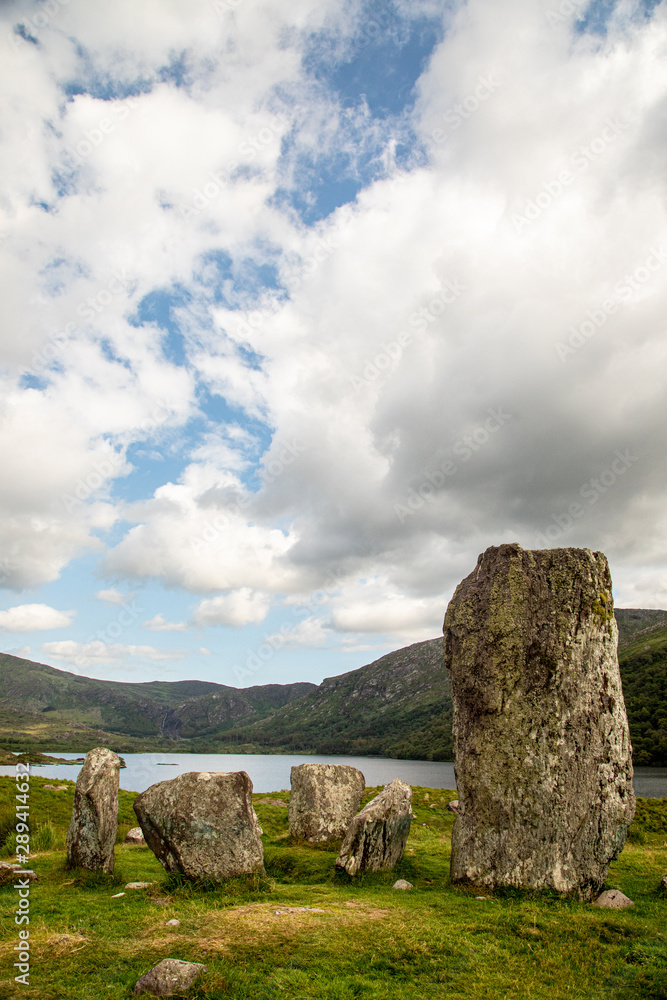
<point x="305" y="931"/>
<point x="630" y="621"/>
<point x="643" y="660"/>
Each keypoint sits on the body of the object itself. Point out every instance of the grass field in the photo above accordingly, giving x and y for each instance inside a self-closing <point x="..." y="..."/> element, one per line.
<point x="355" y="938"/>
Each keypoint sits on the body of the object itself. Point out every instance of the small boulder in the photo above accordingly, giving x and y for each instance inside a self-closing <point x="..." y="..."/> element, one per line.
<point x="10" y="872"/>
<point x="323" y="800"/>
<point x="169" y="976"/>
<point x="202" y="824"/>
<point x="135" y="836"/>
<point x="173" y="923"/>
<point x="402" y="884"/>
<point x="453" y="806"/>
<point x="377" y="835"/>
<point x="94" y="823"/>
<point x="613" y="899"/>
<point x="138" y="885"/>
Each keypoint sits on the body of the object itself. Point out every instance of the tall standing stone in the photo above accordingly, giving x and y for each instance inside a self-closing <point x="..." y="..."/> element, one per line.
<point x="94" y="823"/>
<point x="323" y="800"/>
<point x="202" y="824"/>
<point x="541" y="743"/>
<point x="376" y="838"/>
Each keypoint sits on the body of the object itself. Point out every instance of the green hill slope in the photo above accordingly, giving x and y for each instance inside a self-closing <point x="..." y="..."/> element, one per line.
<point x="643" y="660"/>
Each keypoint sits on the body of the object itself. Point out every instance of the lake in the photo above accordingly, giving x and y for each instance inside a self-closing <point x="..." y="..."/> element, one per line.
<point x="271" y="772"/>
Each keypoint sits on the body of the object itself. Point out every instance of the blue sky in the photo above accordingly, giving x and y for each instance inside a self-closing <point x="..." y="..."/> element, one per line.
<point x="305" y="307"/>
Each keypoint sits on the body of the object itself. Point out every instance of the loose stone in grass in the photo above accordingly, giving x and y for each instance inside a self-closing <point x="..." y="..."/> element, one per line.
<point x="9" y="872"/>
<point x="94" y="824"/>
<point x="323" y="800"/>
<point x="613" y="899"/>
<point x="173" y="923"/>
<point x="202" y="825"/>
<point x="139" y="885"/>
<point x="377" y="835"/>
<point x="170" y="976"/>
<point x="541" y="744"/>
<point x="135" y="836"/>
<point x="118" y="895"/>
<point x="402" y="884"/>
<point x="453" y="806"/>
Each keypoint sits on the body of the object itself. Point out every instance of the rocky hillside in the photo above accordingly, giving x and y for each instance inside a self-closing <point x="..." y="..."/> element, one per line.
<point x="397" y="706"/>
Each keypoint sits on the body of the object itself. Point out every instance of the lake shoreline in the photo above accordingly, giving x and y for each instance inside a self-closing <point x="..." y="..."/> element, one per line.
<point x="270" y="772"/>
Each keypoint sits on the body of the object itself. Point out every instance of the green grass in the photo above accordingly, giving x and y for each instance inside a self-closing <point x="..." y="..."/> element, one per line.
<point x="369" y="942"/>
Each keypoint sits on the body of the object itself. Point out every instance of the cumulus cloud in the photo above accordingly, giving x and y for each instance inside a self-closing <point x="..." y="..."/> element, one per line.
<point x="85" y="654"/>
<point x="113" y="596"/>
<point x="463" y="354"/>
<point x="34" y="618"/>
<point x="310" y="633"/>
<point x="158" y="624"/>
<point x="236" y="608"/>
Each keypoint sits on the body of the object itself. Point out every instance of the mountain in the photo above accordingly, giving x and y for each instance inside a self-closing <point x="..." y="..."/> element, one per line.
<point x="398" y="706"/>
<point x="57" y="705"/>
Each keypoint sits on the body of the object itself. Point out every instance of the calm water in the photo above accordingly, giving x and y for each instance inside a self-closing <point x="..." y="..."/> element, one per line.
<point x="271" y="772"/>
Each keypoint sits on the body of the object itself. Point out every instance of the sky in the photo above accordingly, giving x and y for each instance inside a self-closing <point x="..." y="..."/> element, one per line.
<point x="305" y="305"/>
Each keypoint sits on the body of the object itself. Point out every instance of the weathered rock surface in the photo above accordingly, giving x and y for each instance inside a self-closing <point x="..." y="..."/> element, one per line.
<point x="202" y="824"/>
<point x="170" y="976"/>
<point x="323" y="800"/>
<point x="92" y="831"/>
<point x="377" y="835"/>
<point x="401" y="883"/>
<point x="613" y="899"/>
<point x="541" y="744"/>
<point x="453" y="806"/>
<point x="135" y="836"/>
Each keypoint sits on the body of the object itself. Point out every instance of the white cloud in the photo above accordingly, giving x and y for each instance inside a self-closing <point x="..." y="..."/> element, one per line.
<point x="34" y="618"/>
<point x="372" y="378"/>
<point x="373" y="608"/>
<point x="113" y="596"/>
<point x="22" y="651"/>
<point x="239" y="607"/>
<point x="158" y="624"/>
<point x="195" y="534"/>
<point x="85" y="654"/>
<point x="310" y="633"/>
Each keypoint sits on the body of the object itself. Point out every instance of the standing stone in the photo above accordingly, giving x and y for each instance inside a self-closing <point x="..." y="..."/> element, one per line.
<point x="541" y="743"/>
<point x="376" y="838"/>
<point x="202" y="824"/>
<point x="94" y="824"/>
<point x="323" y="800"/>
